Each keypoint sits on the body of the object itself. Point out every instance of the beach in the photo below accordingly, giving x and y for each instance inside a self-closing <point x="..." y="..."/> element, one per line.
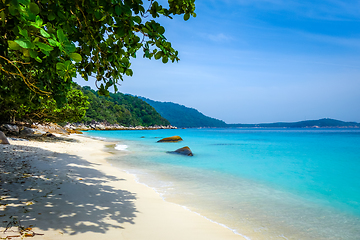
<point x="68" y="190"/>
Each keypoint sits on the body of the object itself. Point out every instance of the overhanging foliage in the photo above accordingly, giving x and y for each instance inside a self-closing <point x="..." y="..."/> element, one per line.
<point x="45" y="43"/>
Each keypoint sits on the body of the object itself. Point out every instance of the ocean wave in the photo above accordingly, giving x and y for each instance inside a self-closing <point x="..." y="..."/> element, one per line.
<point x="121" y="147"/>
<point x="98" y="138"/>
<point x="223" y="225"/>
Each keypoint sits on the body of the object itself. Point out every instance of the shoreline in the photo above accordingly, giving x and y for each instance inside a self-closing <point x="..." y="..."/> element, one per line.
<point x="89" y="198"/>
<point x="117" y="149"/>
<point x="256" y="210"/>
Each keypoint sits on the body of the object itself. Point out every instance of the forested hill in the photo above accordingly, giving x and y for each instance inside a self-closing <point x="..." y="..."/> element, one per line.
<point x="181" y="116"/>
<point x="321" y="123"/>
<point x="118" y="108"/>
<point x="128" y="110"/>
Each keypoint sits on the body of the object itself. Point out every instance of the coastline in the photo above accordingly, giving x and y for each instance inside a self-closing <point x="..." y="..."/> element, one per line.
<point x="72" y="192"/>
<point x="252" y="208"/>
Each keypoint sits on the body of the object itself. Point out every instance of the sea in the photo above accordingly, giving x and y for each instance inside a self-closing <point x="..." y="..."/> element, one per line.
<point x="260" y="183"/>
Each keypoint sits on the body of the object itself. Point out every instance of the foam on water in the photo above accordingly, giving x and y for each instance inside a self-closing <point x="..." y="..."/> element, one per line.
<point x="98" y="138"/>
<point x="262" y="184"/>
<point x="121" y="147"/>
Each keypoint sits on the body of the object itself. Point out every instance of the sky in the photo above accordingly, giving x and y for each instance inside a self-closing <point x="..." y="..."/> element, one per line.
<point x="259" y="61"/>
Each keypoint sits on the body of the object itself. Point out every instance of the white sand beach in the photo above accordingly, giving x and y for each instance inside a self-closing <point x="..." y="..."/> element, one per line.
<point x="67" y="190"/>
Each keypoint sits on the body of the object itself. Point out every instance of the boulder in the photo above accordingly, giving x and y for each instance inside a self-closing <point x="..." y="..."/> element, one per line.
<point x="183" y="151"/>
<point x="48" y="134"/>
<point x="27" y="131"/>
<point x="10" y="129"/>
<point x="31" y="132"/>
<point x="171" y="139"/>
<point x="74" y="131"/>
<point x="3" y="139"/>
<point x="50" y="127"/>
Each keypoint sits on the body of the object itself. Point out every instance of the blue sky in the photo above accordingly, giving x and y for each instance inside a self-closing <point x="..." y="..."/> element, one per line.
<point x="253" y="61"/>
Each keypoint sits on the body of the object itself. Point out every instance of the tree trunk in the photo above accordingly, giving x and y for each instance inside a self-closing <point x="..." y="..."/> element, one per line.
<point x="12" y="119"/>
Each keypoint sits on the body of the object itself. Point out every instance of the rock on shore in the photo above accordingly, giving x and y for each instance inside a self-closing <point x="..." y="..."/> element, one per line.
<point x="3" y="139"/>
<point x="107" y="126"/>
<point x="35" y="129"/>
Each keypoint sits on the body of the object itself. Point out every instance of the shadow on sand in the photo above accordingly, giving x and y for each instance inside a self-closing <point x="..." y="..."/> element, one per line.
<point x="62" y="192"/>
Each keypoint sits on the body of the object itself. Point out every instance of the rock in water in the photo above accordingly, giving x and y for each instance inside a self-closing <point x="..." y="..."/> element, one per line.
<point x="183" y="151"/>
<point x="171" y="139"/>
<point x="3" y="139"/>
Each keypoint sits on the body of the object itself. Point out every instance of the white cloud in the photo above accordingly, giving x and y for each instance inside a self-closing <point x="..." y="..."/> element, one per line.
<point x="220" y="37"/>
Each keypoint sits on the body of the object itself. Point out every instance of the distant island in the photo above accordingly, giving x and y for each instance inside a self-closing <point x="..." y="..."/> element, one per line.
<point x="185" y="117"/>
<point x="321" y="123"/>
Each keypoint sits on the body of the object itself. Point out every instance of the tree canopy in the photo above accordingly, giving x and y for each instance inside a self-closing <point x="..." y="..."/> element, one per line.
<point x="45" y="43"/>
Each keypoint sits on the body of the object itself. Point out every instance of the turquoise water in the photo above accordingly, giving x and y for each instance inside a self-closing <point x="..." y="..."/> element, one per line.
<point x="263" y="184"/>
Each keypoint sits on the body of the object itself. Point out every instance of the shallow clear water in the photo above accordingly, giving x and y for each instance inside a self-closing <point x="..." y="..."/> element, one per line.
<point x="264" y="184"/>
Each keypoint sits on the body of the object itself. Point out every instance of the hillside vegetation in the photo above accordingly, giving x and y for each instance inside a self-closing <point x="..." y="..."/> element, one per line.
<point x="181" y="116"/>
<point x="122" y="109"/>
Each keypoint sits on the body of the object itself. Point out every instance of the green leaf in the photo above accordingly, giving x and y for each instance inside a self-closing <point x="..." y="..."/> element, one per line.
<point x="26" y="53"/>
<point x="13" y="10"/>
<point x="147" y="54"/>
<point x="129" y="72"/>
<point x="24" y="43"/>
<point x="38" y="21"/>
<point x="161" y="30"/>
<point x="23" y="32"/>
<point x="33" y="53"/>
<point x="66" y="69"/>
<point x="165" y="59"/>
<point x="76" y="57"/>
<point x="61" y="35"/>
<point x="34" y="8"/>
<point x="60" y="66"/>
<point x="53" y="42"/>
<point x="118" y="10"/>
<point x="44" y="33"/>
<point x="13" y="45"/>
<point x="2" y="15"/>
<point x="137" y="19"/>
<point x="158" y="55"/>
<point x="98" y="15"/>
<point x="34" y="25"/>
<point x="120" y="31"/>
<point x="69" y="47"/>
<point x="51" y="16"/>
<point x="45" y="52"/>
<point x="44" y="46"/>
<point x="38" y="59"/>
<point x="186" y="16"/>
